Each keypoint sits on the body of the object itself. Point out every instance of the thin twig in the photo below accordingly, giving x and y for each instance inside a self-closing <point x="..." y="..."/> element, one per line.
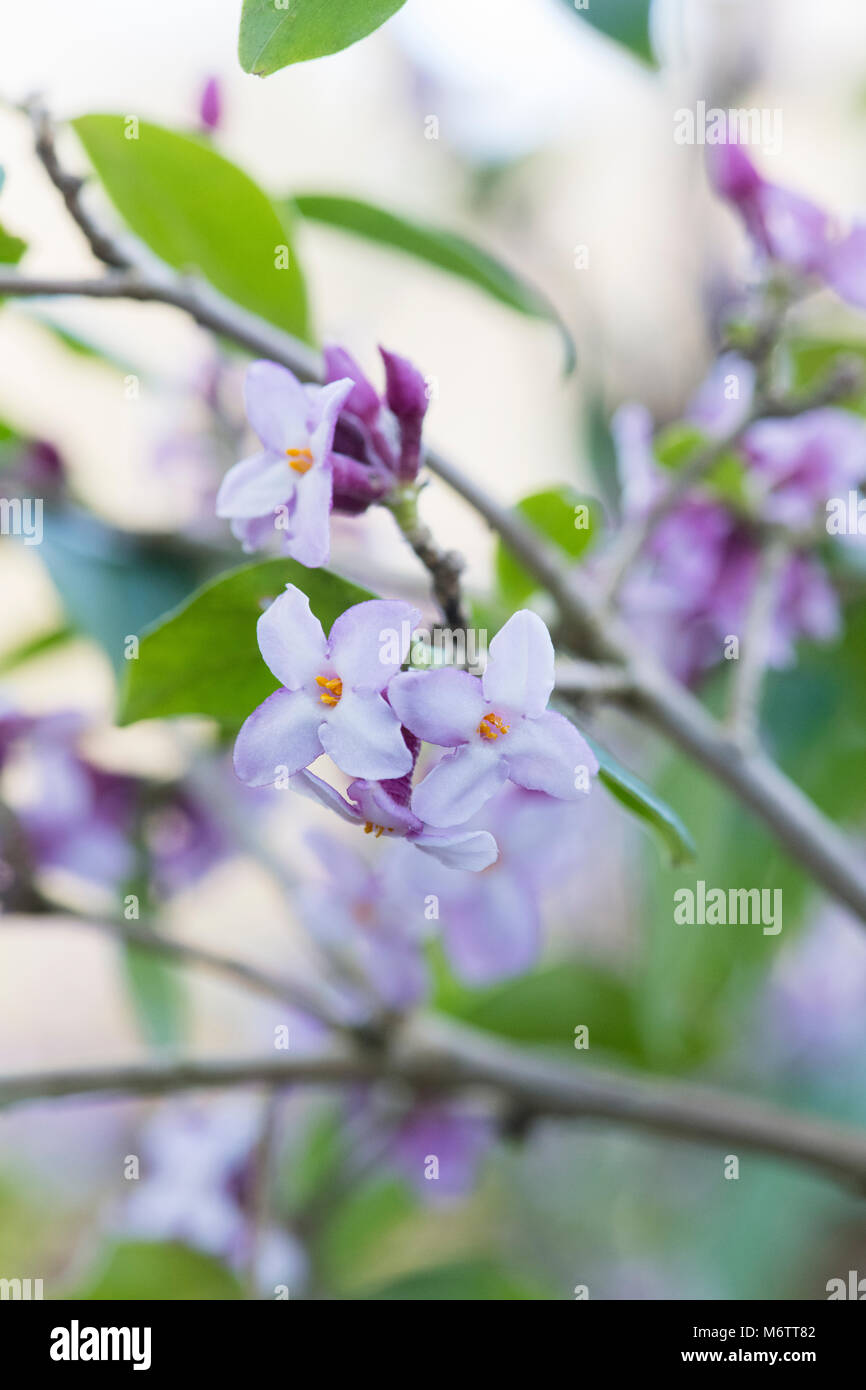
<point x="748" y="677"/>
<point x="454" y="1058"/>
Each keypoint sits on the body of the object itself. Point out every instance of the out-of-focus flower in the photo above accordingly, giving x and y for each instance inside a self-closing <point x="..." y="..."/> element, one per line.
<point x="439" y="1148"/>
<point x="797" y="464"/>
<point x="210" y="107"/>
<point x="499" y="727"/>
<point x="361" y="923"/>
<point x="724" y="399"/>
<point x="790" y="229"/>
<point x="814" y="1007"/>
<point x="198" y="1167"/>
<point x="331" y="699"/>
<point x="289" y="485"/>
<point x="184" y="840"/>
<point x="491" y="922"/>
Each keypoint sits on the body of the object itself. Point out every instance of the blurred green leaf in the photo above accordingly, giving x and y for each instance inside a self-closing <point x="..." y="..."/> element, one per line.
<point x="12" y="248"/>
<point x="449" y="251"/>
<point x="358" y="1226"/>
<point x="625" y="21"/>
<point x="199" y="212"/>
<point x="112" y="584"/>
<point x="678" y="444"/>
<point x="559" y="514"/>
<point x="158" y="1271"/>
<point x="545" y="1007"/>
<point x="475" y="1282"/>
<point x="36" y="646"/>
<point x="643" y="802"/>
<point x="273" y="36"/>
<point x="204" y="658"/>
<point x="157" y="995"/>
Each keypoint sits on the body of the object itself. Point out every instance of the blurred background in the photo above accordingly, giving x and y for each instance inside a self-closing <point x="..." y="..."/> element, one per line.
<point x="554" y="150"/>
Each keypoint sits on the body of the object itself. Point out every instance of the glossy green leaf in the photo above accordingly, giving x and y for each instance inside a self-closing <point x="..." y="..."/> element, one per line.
<point x="437" y="247"/>
<point x="199" y="212"/>
<point x="561" y="515"/>
<point x="627" y="22"/>
<point x="643" y="802"/>
<point x="275" y="33"/>
<point x="204" y="658"/>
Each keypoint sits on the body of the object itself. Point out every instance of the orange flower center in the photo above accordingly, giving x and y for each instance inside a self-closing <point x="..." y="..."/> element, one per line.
<point x="492" y="726"/>
<point x="301" y="460"/>
<point x="332" y="689"/>
<point x="369" y="827"/>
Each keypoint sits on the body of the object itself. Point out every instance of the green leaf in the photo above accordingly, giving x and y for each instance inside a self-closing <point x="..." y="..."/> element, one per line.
<point x="273" y="36"/>
<point x="157" y="995"/>
<point x="474" y="1282"/>
<point x="12" y="248"/>
<point x="561" y="515"/>
<point x="204" y="658"/>
<point x="678" y="444"/>
<point x="111" y="584"/>
<point x="434" y="245"/>
<point x="625" y="21"/>
<point x="545" y="1006"/>
<point x="36" y="646"/>
<point x="155" y="1270"/>
<point x="198" y="211"/>
<point x="640" y="799"/>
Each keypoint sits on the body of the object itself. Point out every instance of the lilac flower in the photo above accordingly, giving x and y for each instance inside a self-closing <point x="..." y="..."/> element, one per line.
<point x="499" y="726"/>
<point x="784" y="226"/>
<point x="788" y="228"/>
<point x="798" y="464"/>
<point x="361" y="923"/>
<point x="197" y="1171"/>
<point x="381" y="437"/>
<point x="288" y="486"/>
<point x="383" y="810"/>
<point x="439" y="1148"/>
<point x="331" y="699"/>
<point x="491" y="922"/>
<point x="184" y="840"/>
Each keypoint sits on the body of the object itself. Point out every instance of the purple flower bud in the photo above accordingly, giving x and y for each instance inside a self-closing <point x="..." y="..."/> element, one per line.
<point x="210" y="105"/>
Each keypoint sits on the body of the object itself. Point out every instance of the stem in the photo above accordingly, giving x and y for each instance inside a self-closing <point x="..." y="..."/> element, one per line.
<point x="454" y="1058"/>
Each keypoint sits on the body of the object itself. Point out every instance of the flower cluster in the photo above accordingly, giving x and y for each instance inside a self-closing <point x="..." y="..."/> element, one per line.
<point x="337" y="447"/>
<point x="346" y="696"/>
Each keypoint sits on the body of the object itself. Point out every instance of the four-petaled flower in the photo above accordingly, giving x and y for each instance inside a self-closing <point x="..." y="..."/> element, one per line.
<point x="331" y="699"/>
<point x="288" y="486"/>
<point x="499" y="727"/>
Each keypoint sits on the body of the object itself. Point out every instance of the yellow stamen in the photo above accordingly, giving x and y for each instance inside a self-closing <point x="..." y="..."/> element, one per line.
<point x="301" y="460"/>
<point x="331" y="691"/>
<point x="492" y="726"/>
<point x="379" y="829"/>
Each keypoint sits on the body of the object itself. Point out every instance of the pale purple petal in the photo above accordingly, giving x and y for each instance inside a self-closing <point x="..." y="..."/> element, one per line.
<point x="291" y="639"/>
<point x="376" y="805"/>
<point x="845" y="267"/>
<point x="324" y="404"/>
<point x="545" y="755"/>
<point x="495" y="934"/>
<point x="794" y="230"/>
<point x="276" y="407"/>
<point x="520" y="667"/>
<point x="308" y="526"/>
<point x="369" y="642"/>
<point x="363" y="737"/>
<point x="472" y="850"/>
<point x="282" y="734"/>
<point x="255" y="486"/>
<point x="460" y="784"/>
<point x="307" y="784"/>
<point x="444" y="706"/>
